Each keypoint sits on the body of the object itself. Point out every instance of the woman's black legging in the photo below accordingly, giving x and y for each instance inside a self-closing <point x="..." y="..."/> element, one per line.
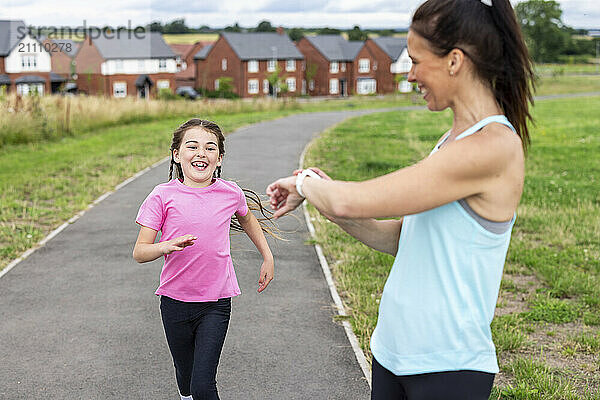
<point x="450" y="385"/>
<point x="195" y="333"/>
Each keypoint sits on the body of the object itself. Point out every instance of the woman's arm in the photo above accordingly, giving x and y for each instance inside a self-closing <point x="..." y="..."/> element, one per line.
<point x="146" y="250"/>
<point x="252" y="228"/>
<point x="379" y="235"/>
<point x="461" y="169"/>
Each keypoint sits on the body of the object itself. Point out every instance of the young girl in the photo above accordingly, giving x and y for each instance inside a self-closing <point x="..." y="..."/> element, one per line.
<point x="194" y="213"/>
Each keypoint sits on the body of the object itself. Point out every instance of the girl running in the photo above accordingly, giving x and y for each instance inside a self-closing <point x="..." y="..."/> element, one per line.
<point x="193" y="212"/>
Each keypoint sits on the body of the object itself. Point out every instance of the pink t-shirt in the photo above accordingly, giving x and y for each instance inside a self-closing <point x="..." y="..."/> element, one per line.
<point x="203" y="271"/>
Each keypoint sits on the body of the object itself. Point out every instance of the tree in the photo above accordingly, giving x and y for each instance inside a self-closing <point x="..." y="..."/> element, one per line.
<point x="176" y="26"/>
<point x="264" y="26"/>
<point x="357" y="35"/>
<point x="295" y="34"/>
<point x="328" y="31"/>
<point x="155" y="27"/>
<point x="545" y="34"/>
<point x="235" y="28"/>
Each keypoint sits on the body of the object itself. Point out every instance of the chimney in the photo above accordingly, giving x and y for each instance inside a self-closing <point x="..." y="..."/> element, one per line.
<point x="280" y="30"/>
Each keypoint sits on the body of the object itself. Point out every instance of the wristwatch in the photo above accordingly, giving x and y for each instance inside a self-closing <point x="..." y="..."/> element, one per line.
<point x="300" y="179"/>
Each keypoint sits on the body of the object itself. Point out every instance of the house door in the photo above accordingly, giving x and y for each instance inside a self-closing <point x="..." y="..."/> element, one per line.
<point x="343" y="90"/>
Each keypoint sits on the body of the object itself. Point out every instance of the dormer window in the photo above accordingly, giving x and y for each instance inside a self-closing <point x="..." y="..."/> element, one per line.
<point x="334" y="67"/>
<point x="162" y="64"/>
<point x="271" y="65"/>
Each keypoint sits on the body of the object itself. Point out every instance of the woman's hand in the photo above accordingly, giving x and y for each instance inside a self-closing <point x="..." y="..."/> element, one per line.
<point x="266" y="274"/>
<point x="177" y="244"/>
<point x="283" y="196"/>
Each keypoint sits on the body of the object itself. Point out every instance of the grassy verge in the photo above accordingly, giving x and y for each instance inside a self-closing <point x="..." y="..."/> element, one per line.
<point x="547" y="325"/>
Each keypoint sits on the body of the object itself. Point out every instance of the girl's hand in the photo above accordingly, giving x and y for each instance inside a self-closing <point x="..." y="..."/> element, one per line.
<point x="266" y="274"/>
<point x="283" y="196"/>
<point x="177" y="244"/>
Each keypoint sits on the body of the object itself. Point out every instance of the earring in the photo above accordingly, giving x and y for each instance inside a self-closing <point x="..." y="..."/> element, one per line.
<point x="451" y="73"/>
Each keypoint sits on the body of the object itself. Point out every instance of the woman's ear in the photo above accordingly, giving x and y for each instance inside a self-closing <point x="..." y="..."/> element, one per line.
<point x="176" y="155"/>
<point x="456" y="59"/>
<point x="220" y="160"/>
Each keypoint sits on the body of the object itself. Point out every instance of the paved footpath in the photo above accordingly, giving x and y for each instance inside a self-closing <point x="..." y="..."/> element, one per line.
<point x="79" y="320"/>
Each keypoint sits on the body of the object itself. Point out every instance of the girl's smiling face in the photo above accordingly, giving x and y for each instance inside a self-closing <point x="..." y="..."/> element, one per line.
<point x="198" y="156"/>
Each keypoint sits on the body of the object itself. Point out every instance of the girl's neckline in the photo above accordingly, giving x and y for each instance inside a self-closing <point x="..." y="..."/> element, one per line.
<point x="191" y="189"/>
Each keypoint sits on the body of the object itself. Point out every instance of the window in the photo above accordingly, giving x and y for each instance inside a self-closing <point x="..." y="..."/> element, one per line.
<point x="252" y="86"/>
<point x="29" y="62"/>
<point x="366" y="86"/>
<point x="162" y="64"/>
<point x="24" y="89"/>
<point x="291" y="84"/>
<point x="405" y="65"/>
<point x="333" y="86"/>
<point x="162" y="84"/>
<point x="253" y="66"/>
<point x="334" y="67"/>
<point x="118" y="65"/>
<point x="311" y="84"/>
<point x="224" y="64"/>
<point x="120" y="89"/>
<point x="364" y="65"/>
<point x="290" y="65"/>
<point x="271" y="65"/>
<point x="216" y="84"/>
<point x="303" y="86"/>
<point x="265" y="86"/>
<point x="343" y="65"/>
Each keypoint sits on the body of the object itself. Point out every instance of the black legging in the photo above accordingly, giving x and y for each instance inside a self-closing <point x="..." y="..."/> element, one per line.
<point x="450" y="385"/>
<point x="195" y="333"/>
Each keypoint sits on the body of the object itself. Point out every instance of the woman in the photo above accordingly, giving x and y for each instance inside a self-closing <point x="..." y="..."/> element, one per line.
<point x="433" y="338"/>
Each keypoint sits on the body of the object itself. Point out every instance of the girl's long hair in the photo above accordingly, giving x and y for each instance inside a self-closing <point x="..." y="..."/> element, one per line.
<point x="252" y="198"/>
<point x="491" y="37"/>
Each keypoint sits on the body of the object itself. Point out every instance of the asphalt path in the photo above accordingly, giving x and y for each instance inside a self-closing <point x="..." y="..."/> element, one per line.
<point x="79" y="318"/>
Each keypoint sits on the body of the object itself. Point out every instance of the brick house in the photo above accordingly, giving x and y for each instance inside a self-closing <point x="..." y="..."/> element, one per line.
<point x="340" y="67"/>
<point x="125" y="65"/>
<point x="393" y="63"/>
<point x="249" y="59"/>
<point x="186" y="66"/>
<point x="25" y="64"/>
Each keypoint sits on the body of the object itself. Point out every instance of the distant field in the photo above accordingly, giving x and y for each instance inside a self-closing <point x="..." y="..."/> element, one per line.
<point x="190" y="38"/>
<point x="565" y="69"/>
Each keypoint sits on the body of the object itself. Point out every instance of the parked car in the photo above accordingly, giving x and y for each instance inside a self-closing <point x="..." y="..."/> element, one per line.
<point x="186" y="91"/>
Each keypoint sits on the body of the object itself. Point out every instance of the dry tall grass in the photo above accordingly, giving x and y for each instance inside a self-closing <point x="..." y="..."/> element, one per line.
<point x="32" y="118"/>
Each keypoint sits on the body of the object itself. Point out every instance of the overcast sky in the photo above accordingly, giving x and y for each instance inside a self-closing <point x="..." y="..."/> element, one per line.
<point x="248" y="13"/>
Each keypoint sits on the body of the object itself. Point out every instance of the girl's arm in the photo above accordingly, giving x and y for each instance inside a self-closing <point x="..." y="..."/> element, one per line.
<point x="146" y="250"/>
<point x="252" y="228"/>
<point x="461" y="169"/>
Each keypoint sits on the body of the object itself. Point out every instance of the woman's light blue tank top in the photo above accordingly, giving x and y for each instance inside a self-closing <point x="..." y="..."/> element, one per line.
<point x="439" y="299"/>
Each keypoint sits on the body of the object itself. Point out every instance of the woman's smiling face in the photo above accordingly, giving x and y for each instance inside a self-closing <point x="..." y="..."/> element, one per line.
<point x="198" y="156"/>
<point x="429" y="71"/>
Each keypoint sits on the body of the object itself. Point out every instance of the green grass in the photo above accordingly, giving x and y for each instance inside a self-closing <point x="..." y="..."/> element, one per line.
<point x="555" y="243"/>
<point x="189" y="38"/>
<point x="567" y="84"/>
